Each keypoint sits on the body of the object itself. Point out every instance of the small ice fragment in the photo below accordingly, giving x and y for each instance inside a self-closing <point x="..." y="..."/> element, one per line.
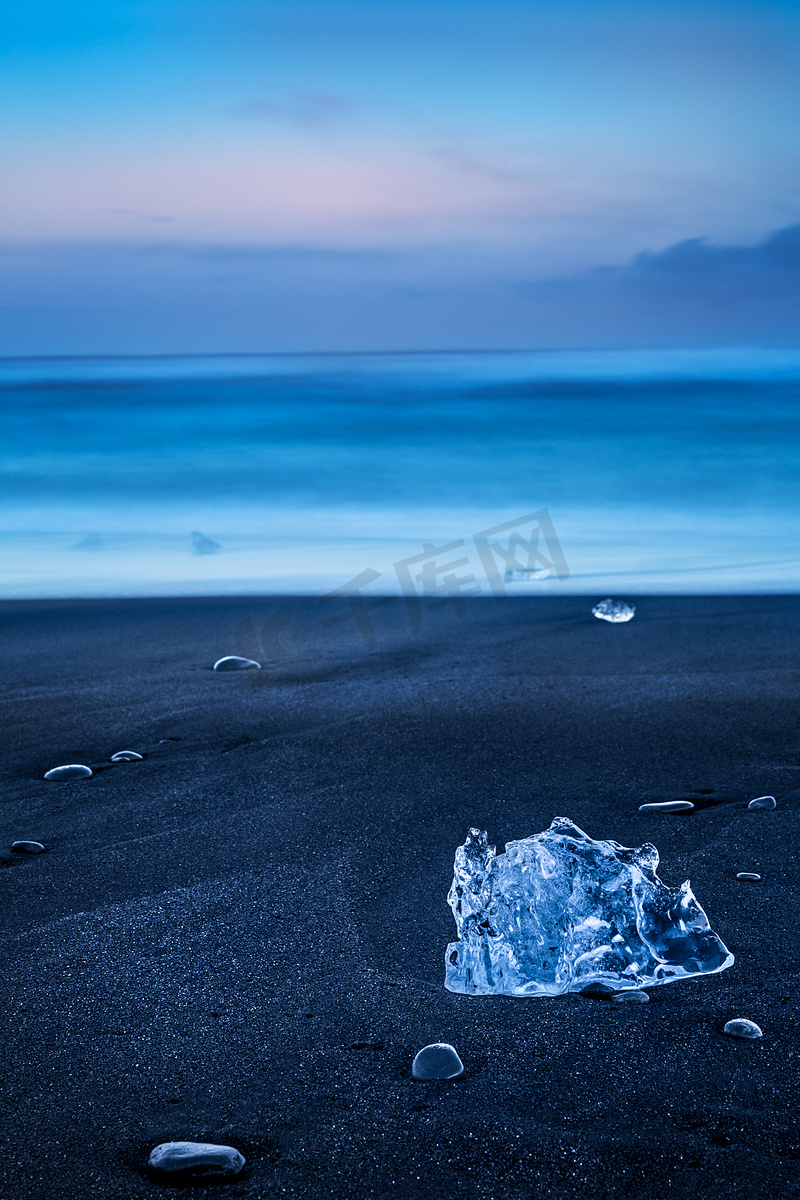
<point x="763" y="802"/>
<point x="437" y="1061"/>
<point x="195" y="1159"/>
<point x="539" y="920"/>
<point x="614" y="610"/>
<point x="126" y="756"/>
<point x="233" y="662"/>
<point x="204" y="545"/>
<point x="749" y="875"/>
<point x="28" y="847"/>
<point x="667" y="806"/>
<point x="617" y="939"/>
<point x="743" y="1029"/>
<point x="513" y="574"/>
<point x="71" y="771"/>
<point x="633" y="997"/>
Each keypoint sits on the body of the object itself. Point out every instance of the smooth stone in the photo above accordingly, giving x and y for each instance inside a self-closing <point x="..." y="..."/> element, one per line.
<point x="743" y="1029"/>
<point x="667" y="806"/>
<point x="126" y="756"/>
<point x="597" y="991"/>
<point x="437" y="1061"/>
<point x="233" y="662"/>
<point x="763" y="802"/>
<point x="632" y="997"/>
<point x="71" y="771"/>
<point x="196" y="1159"/>
<point x="28" y="847"/>
<point x="749" y="875"/>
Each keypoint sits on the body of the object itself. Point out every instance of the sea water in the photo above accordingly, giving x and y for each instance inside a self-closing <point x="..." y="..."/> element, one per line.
<point x="659" y="472"/>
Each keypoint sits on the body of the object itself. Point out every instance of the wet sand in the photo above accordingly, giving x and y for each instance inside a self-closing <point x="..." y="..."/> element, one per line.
<point x="241" y="938"/>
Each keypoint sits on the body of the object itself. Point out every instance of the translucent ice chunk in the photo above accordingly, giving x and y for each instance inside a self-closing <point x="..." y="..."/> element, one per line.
<point x="559" y="912"/>
<point x="614" y="610"/>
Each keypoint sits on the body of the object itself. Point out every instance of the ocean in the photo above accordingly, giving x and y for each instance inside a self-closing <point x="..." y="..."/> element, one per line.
<point x="604" y="473"/>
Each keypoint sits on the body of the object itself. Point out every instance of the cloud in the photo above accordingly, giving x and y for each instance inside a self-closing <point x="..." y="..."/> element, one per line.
<point x="309" y="112"/>
<point x="166" y="297"/>
<point x="777" y="255"/>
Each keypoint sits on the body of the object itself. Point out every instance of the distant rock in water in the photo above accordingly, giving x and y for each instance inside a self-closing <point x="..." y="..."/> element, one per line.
<point x="71" y="771"/>
<point x="126" y="756"/>
<point x="92" y="541"/>
<point x="437" y="1061"/>
<point x="204" y="545"/>
<point x="27" y="847"/>
<point x="195" y="1160"/>
<point x="763" y="802"/>
<point x="614" y="611"/>
<point x="560" y="912"/>
<point x="233" y="662"/>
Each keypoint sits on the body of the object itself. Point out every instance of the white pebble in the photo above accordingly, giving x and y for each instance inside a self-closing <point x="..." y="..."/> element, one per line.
<point x="196" y="1159"/>
<point x="233" y="662"/>
<point x="126" y="756"/>
<point x="749" y="875"/>
<point x="437" y="1061"/>
<point x="667" y="806"/>
<point x="740" y="1028"/>
<point x="28" y="847"/>
<point x="71" y="771"/>
<point x="763" y="802"/>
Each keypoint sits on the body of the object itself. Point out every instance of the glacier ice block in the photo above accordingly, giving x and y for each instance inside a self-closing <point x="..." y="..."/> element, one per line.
<point x="560" y="911"/>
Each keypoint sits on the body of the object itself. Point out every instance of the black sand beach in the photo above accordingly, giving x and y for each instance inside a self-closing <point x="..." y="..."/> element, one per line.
<point x="240" y="939"/>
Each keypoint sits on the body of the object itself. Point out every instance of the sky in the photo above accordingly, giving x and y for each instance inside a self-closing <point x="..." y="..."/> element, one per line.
<point x="185" y="176"/>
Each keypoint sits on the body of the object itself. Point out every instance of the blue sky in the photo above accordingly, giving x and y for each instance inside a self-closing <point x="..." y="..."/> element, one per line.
<point x="243" y="175"/>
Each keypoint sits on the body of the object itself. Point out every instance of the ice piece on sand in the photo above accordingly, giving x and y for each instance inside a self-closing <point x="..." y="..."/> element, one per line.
<point x="742" y="1028"/>
<point x="233" y="662"/>
<point x="71" y="771"/>
<point x="196" y="1159"/>
<point x="542" y="919"/>
<point x="28" y="847"/>
<point x="437" y="1061"/>
<point x="614" y="610"/>
<point x="763" y="802"/>
<point x="204" y="545"/>
<point x="126" y="756"/>
<point x="750" y="875"/>
<point x="630" y="998"/>
<point x="667" y="806"/>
